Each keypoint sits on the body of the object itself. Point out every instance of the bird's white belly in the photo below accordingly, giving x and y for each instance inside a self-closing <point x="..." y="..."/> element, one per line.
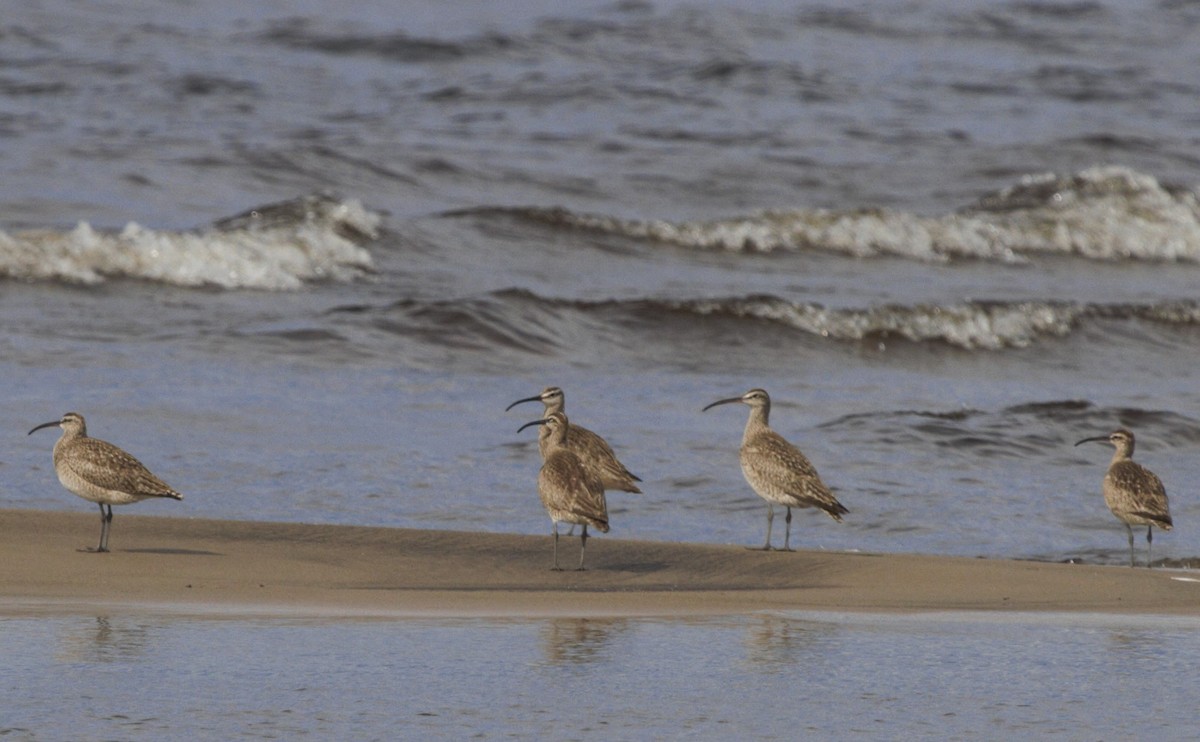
<point x="93" y="492"/>
<point x="768" y="489"/>
<point x="566" y="516"/>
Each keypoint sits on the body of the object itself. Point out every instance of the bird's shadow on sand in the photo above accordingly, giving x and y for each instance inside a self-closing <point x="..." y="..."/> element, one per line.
<point x="176" y="552"/>
<point x="648" y="567"/>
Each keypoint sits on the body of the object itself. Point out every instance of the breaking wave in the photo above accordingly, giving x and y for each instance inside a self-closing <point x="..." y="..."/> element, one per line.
<point x="279" y="246"/>
<point x="1104" y="213"/>
<point x="971" y="325"/>
<point x="968" y="325"/>
<point x="517" y="319"/>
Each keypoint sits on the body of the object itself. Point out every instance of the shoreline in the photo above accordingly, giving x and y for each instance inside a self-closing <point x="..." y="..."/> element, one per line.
<point x="203" y="566"/>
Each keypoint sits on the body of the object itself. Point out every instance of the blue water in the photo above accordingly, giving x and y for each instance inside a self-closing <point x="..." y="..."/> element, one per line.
<point x="127" y="674"/>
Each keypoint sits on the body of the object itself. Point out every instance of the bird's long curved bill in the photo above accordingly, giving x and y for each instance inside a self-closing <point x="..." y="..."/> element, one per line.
<point x="535" y="398"/>
<point x="1103" y="438"/>
<point x="44" y="425"/>
<point x="543" y="421"/>
<point x="721" y="401"/>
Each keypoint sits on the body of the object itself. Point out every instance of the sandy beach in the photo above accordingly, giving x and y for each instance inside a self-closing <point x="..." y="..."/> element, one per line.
<point x="234" y="566"/>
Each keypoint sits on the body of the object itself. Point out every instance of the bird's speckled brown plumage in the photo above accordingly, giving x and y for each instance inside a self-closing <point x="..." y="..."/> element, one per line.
<point x="568" y="490"/>
<point x="100" y="472"/>
<point x="777" y="470"/>
<point x="1132" y="492"/>
<point x="593" y="451"/>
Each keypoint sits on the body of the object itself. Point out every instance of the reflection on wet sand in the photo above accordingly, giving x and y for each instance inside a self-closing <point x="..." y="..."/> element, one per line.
<point x="774" y="643"/>
<point x="580" y="640"/>
<point x="1138" y="644"/>
<point x="103" y="640"/>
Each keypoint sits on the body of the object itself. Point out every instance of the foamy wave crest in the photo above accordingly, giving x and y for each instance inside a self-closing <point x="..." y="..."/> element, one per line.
<point x="972" y="325"/>
<point x="1106" y="213"/>
<point x="276" y="247"/>
<point x="518" y="319"/>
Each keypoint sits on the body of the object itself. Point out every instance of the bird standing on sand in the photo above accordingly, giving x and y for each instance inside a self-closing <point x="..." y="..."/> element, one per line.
<point x="777" y="470"/>
<point x="1132" y="492"/>
<point x="593" y="451"/>
<point x="568" y="490"/>
<point x="100" y="472"/>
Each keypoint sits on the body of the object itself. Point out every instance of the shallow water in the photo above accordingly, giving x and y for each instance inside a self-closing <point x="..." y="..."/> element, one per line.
<point x="144" y="675"/>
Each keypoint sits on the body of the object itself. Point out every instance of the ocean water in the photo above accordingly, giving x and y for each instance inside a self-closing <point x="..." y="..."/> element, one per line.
<point x="299" y="257"/>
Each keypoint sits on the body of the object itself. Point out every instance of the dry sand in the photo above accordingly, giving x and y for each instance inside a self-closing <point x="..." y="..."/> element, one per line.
<point x="235" y="567"/>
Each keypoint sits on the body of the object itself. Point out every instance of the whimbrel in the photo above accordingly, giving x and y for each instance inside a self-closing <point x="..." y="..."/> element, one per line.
<point x="777" y="470"/>
<point x="593" y="451"/>
<point x="100" y="472"/>
<point x="569" y="491"/>
<point x="1133" y="493"/>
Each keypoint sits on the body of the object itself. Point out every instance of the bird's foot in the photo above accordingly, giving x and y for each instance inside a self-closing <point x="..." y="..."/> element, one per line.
<point x="90" y="550"/>
<point x="581" y="569"/>
<point x="556" y="569"/>
<point x="786" y="548"/>
<point x="759" y="548"/>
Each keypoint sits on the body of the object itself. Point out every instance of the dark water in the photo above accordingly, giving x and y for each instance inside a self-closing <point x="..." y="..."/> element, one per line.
<point x="300" y="257"/>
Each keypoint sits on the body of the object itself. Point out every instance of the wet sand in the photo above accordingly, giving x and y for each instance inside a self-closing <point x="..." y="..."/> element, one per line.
<point x="297" y="569"/>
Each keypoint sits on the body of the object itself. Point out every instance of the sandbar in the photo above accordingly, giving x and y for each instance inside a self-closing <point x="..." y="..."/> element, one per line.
<point x="242" y="567"/>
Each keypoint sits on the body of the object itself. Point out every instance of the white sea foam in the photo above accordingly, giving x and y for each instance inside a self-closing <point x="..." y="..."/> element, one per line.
<point x="277" y="247"/>
<point x="970" y="325"/>
<point x="1104" y="213"/>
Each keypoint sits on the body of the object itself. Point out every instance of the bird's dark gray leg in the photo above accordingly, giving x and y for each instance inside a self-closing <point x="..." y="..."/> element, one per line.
<point x="770" y="517"/>
<point x="103" y="527"/>
<point x="1129" y="532"/>
<point x="108" y="519"/>
<point x="105" y="524"/>
<point x="1149" y="546"/>
<point x="787" y="534"/>
<point x="582" y="545"/>
<point x="555" y="568"/>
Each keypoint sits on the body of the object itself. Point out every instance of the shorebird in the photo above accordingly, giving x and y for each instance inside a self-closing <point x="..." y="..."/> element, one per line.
<point x="100" y="472"/>
<point x="1132" y="492"/>
<point x="569" y="491"/>
<point x="776" y="470"/>
<point x="593" y="451"/>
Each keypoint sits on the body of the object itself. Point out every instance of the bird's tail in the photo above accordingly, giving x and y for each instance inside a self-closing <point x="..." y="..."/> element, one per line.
<point x="835" y="510"/>
<point x="1160" y="520"/>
